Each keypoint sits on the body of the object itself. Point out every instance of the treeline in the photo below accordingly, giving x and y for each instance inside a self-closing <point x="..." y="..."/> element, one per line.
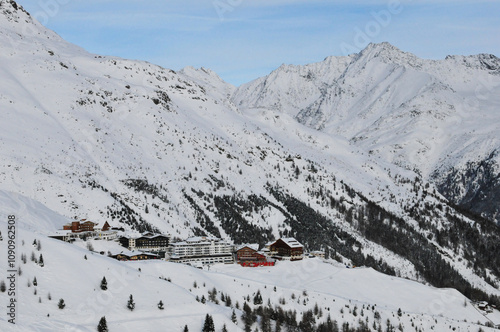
<point x="230" y="211"/>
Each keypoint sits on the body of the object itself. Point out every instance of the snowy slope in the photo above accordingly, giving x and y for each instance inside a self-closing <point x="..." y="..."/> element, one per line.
<point x="74" y="274"/>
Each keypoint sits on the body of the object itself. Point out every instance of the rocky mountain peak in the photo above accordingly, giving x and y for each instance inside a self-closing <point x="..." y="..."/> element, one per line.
<point x="12" y="11"/>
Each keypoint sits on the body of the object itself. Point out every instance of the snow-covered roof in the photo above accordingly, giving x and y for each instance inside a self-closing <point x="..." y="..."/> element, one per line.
<point x="254" y="246"/>
<point x="130" y="253"/>
<point x="201" y="240"/>
<point x="145" y="235"/>
<point x="102" y="223"/>
<point x="291" y="242"/>
<point x="126" y="252"/>
<point x="61" y="232"/>
<point x="154" y="236"/>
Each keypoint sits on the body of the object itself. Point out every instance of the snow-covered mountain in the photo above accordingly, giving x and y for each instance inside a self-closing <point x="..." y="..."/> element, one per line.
<point x="105" y="138"/>
<point x="440" y="118"/>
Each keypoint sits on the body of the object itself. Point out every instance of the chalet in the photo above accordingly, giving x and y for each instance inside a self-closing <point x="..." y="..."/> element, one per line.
<point x="287" y="249"/>
<point x="83" y="225"/>
<point x="249" y="252"/>
<point x="204" y="250"/>
<point x="126" y="255"/>
<point x="247" y="255"/>
<point x="103" y="227"/>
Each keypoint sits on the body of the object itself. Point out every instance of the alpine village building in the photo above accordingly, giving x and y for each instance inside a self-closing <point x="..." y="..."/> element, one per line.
<point x="201" y="250"/>
<point x="287" y="249"/>
<point x="248" y="255"/>
<point x="146" y="242"/>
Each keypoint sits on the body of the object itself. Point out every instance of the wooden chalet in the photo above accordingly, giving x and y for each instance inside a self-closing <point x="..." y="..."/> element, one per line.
<point x="287" y="249"/>
<point x="105" y="227"/>
<point x="247" y="255"/>
<point x="83" y="225"/>
<point x="134" y="256"/>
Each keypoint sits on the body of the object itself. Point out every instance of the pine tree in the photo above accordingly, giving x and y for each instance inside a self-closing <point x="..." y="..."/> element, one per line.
<point x="208" y="326"/>
<point x="103" y="325"/>
<point x="130" y="303"/>
<point x="35" y="282"/>
<point x="3" y="287"/>
<point x="40" y="261"/>
<point x="186" y="329"/>
<point x="234" y="319"/>
<point x="104" y="284"/>
<point x="212" y="294"/>
<point x="247" y="317"/>
<point x="224" y="328"/>
<point x="257" y="299"/>
<point x="277" y="328"/>
<point x="308" y="322"/>
<point x="61" y="304"/>
<point x="160" y="305"/>
<point x="265" y="322"/>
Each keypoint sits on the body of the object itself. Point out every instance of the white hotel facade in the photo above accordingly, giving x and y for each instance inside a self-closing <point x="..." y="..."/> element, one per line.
<point x="204" y="250"/>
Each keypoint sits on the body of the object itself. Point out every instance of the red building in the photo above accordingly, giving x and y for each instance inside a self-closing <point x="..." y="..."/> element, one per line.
<point x="105" y="227"/>
<point x="247" y="255"/>
<point x="80" y="226"/>
<point x="287" y="248"/>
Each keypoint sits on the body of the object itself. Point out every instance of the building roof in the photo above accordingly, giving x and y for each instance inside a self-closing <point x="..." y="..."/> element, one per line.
<point x="291" y="242"/>
<point x="130" y="253"/>
<point x="253" y="246"/>
<point x="145" y="236"/>
<point x="102" y="223"/>
<point x="200" y="240"/>
<point x="60" y="232"/>
<point x="152" y="236"/>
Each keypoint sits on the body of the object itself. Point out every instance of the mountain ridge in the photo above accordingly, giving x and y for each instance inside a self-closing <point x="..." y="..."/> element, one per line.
<point x="420" y="114"/>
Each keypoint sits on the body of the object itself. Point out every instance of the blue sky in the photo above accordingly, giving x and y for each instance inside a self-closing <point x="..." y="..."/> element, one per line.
<point x="245" y="39"/>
